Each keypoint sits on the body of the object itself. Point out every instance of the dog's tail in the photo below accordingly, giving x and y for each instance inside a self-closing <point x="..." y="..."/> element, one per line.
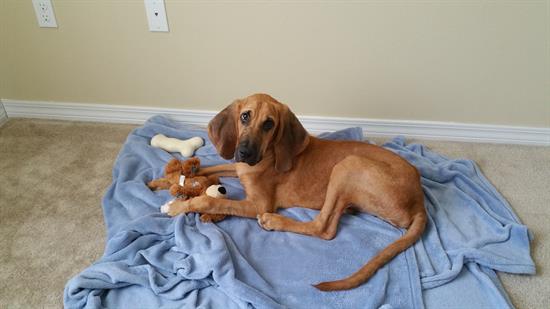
<point x="413" y="233"/>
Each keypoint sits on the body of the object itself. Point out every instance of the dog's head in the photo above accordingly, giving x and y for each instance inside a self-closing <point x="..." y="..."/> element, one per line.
<point x="248" y="128"/>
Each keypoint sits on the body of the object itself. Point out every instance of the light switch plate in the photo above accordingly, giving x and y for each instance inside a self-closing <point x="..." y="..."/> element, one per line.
<point x="156" y="15"/>
<point x="44" y="13"/>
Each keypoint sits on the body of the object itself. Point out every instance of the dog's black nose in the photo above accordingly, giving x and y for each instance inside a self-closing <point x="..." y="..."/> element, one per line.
<point x="247" y="152"/>
<point x="244" y="153"/>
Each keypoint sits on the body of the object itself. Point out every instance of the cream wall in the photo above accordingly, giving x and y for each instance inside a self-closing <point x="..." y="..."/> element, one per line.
<point x="464" y="61"/>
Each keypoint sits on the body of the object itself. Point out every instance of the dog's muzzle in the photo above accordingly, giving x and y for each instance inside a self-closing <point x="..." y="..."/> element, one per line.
<point x="248" y="153"/>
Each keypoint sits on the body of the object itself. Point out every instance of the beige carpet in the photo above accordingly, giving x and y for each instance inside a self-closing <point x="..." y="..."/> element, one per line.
<point x="53" y="175"/>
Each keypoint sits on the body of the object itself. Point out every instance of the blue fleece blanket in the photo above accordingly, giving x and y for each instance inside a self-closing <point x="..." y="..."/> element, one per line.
<point x="154" y="261"/>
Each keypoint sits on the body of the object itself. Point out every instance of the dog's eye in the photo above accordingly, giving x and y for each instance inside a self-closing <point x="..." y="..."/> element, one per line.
<point x="268" y="124"/>
<point x="245" y="117"/>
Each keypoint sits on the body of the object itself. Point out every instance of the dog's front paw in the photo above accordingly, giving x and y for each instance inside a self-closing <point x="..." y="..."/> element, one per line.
<point x="175" y="207"/>
<point x="166" y="207"/>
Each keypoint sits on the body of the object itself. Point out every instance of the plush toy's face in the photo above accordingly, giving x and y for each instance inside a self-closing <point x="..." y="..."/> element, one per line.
<point x="191" y="166"/>
<point x="250" y="127"/>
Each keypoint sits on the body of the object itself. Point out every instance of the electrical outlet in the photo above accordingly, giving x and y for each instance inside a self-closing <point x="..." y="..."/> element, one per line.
<point x="44" y="13"/>
<point x="156" y="15"/>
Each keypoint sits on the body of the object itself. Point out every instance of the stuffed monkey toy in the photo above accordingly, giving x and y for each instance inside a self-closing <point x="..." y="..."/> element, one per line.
<point x="180" y="178"/>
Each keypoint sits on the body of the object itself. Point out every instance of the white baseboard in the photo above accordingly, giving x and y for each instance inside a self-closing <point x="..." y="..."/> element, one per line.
<point x="373" y="127"/>
<point x="3" y="115"/>
<point x="100" y="112"/>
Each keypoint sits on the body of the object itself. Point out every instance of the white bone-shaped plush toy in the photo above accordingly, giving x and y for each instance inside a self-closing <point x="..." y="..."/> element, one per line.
<point x="185" y="147"/>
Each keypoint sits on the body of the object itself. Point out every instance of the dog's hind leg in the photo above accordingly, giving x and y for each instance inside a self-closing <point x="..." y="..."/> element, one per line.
<point x="325" y="223"/>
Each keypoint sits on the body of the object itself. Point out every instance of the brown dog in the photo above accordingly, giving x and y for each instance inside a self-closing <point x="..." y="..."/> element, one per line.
<point x="280" y="165"/>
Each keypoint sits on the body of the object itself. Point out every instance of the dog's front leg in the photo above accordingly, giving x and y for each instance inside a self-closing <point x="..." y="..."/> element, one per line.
<point x="208" y="205"/>
<point x="222" y="170"/>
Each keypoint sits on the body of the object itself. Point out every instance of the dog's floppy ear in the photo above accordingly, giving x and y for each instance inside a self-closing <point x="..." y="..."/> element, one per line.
<point x="222" y="131"/>
<point x="291" y="140"/>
